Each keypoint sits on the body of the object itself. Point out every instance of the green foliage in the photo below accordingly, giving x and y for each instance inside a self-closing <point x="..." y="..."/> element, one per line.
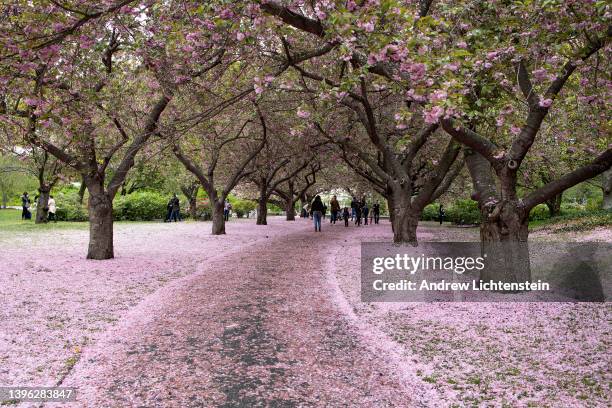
<point x="539" y="212"/>
<point x="462" y="212"/>
<point x="140" y="206"/>
<point x="68" y="206"/>
<point x="242" y="207"/>
<point x="274" y="209"/>
<point x="576" y="221"/>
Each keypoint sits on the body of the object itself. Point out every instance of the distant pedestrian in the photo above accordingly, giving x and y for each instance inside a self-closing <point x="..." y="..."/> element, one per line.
<point x="324" y="210"/>
<point x="227" y="209"/>
<point x="376" y="211"/>
<point x="357" y="213"/>
<point x="335" y="209"/>
<point x="317" y="212"/>
<point x="353" y="208"/>
<point x="366" y="212"/>
<point x="345" y="216"/>
<point x="52" y="209"/>
<point x="25" y="206"/>
<point x="174" y="209"/>
<point x="441" y="214"/>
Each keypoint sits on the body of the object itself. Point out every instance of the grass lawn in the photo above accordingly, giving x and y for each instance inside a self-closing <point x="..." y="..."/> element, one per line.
<point x="575" y="221"/>
<point x="10" y="220"/>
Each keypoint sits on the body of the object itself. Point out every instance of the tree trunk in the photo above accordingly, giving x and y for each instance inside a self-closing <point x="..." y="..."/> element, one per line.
<point x="504" y="236"/>
<point x="218" y="220"/>
<point x="82" y="191"/>
<point x="606" y="184"/>
<point x="404" y="218"/>
<point x="193" y="210"/>
<point x="262" y="204"/>
<point x="290" y="209"/>
<point x="42" y="209"/>
<point x="100" y="227"/>
<point x="554" y="205"/>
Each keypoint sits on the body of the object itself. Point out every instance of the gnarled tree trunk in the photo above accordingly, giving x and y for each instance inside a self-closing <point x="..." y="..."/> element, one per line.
<point x="554" y="205"/>
<point x="504" y="237"/>
<point x="290" y="210"/>
<point x="262" y="211"/>
<point x="42" y="207"/>
<point x="404" y="218"/>
<point x="606" y="184"/>
<point x="100" y="227"/>
<point x="218" y="220"/>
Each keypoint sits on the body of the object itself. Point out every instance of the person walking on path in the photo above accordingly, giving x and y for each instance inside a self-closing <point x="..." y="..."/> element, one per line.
<point x="227" y="208"/>
<point x="345" y="216"/>
<point x="52" y="209"/>
<point x="25" y="206"/>
<point x="353" y="208"/>
<point x="441" y="214"/>
<point x="376" y="212"/>
<point x="317" y="212"/>
<point x="335" y="209"/>
<point x="357" y="213"/>
<point x="366" y="212"/>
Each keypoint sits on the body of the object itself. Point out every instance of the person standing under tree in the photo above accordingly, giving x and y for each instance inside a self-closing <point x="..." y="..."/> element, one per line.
<point x="358" y="213"/>
<point x="441" y="214"/>
<point x="366" y="212"/>
<point x="25" y="206"/>
<point x="227" y="208"/>
<point x="353" y="208"/>
<point x="52" y="209"/>
<point x="317" y="212"/>
<point x="376" y="212"/>
<point x="335" y="209"/>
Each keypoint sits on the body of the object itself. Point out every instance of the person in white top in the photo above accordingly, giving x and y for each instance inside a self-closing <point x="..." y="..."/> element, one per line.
<point x="52" y="209"/>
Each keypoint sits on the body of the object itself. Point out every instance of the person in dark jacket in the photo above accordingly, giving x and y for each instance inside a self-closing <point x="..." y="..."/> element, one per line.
<point x="317" y="212"/>
<point x="345" y="216"/>
<point x="441" y="214"/>
<point x="366" y="212"/>
<point x="25" y="206"/>
<point x="353" y="208"/>
<point x="376" y="211"/>
<point x="335" y="209"/>
<point x="358" y="213"/>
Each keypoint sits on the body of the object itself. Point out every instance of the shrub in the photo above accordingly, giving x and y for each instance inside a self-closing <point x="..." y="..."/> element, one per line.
<point x="430" y="213"/>
<point x="141" y="206"/>
<point x="463" y="212"/>
<point x="242" y="207"/>
<point x="68" y="206"/>
<point x="539" y="212"/>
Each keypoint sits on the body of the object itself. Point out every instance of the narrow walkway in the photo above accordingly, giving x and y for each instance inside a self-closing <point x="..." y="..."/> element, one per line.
<point x="257" y="329"/>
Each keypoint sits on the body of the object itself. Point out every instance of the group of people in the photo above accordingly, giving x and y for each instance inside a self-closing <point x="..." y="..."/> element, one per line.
<point x="26" y="204"/>
<point x="174" y="210"/>
<point x="359" y="211"/>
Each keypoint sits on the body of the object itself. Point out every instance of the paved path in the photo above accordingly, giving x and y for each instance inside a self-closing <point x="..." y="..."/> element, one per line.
<point x="258" y="328"/>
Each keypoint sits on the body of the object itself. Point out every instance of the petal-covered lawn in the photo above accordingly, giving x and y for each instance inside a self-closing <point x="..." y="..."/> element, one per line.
<point x="271" y="315"/>
<point x="55" y="303"/>
<point x="489" y="354"/>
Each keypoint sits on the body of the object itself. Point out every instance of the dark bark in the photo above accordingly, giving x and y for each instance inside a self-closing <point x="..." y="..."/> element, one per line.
<point x="503" y="226"/>
<point x="404" y="218"/>
<point x="262" y="211"/>
<point x="606" y="184"/>
<point x="218" y="220"/>
<point x="42" y="209"/>
<point x="100" y="227"/>
<point x="82" y="191"/>
<point x="504" y="238"/>
<point x="554" y="205"/>
<point x="290" y="210"/>
<point x="290" y="201"/>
